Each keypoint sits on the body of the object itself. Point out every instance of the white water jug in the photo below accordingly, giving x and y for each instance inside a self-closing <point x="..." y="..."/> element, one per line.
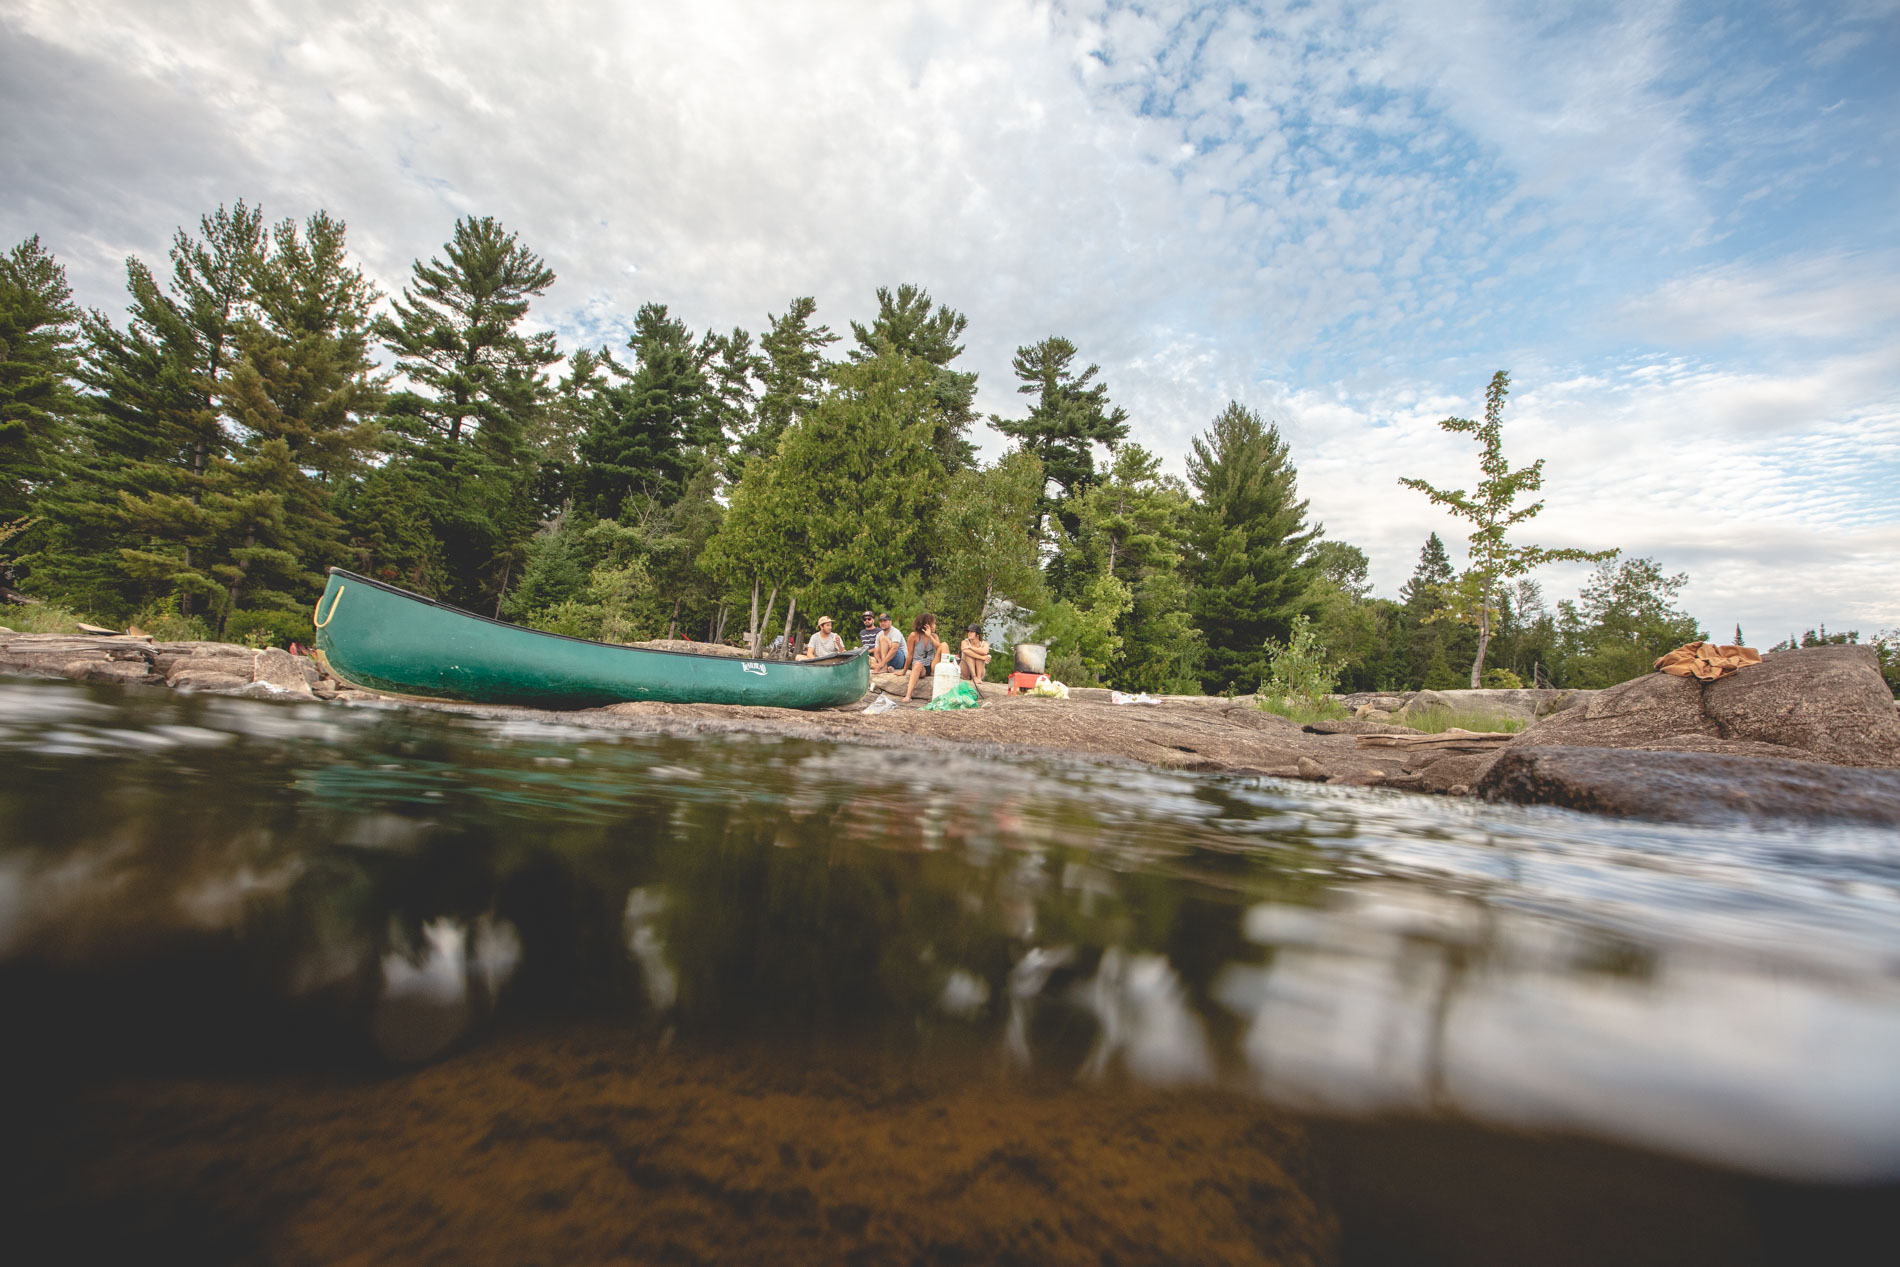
<point x="947" y="674"/>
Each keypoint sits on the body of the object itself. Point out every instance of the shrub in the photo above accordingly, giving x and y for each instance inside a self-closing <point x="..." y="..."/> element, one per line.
<point x="1503" y="680"/>
<point x="272" y="627"/>
<point x="162" y="621"/>
<point x="1300" y="675"/>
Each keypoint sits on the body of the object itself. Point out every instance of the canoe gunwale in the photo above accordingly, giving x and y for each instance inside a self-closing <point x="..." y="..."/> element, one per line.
<point x="832" y="661"/>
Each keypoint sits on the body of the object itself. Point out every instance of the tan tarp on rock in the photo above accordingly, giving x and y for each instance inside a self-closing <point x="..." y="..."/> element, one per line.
<point x="1707" y="661"/>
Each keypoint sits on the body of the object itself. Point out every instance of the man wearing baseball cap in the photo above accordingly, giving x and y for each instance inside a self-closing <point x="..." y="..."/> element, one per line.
<point x="887" y="656"/>
<point x="867" y="635"/>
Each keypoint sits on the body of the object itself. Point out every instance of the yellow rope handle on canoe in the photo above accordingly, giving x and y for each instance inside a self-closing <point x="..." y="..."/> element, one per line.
<point x="318" y="610"/>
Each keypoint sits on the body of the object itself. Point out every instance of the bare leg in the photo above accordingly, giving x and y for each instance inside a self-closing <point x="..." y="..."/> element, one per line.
<point x="915" y="668"/>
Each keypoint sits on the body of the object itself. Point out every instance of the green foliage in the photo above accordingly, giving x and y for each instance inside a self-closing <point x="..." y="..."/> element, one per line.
<point x="841" y="510"/>
<point x="37" y="365"/>
<point x="1436" y="721"/>
<point x="1301" y="670"/>
<point x="984" y="540"/>
<point x="1071" y="416"/>
<point x="1080" y="632"/>
<point x="1250" y="544"/>
<point x="274" y="628"/>
<point x="1625" y="617"/>
<point x="40" y="618"/>
<point x="453" y="515"/>
<point x="791" y="368"/>
<point x="1492" y="510"/>
<point x="645" y="431"/>
<point x="456" y="337"/>
<point x="1502" y="680"/>
<point x="911" y="324"/>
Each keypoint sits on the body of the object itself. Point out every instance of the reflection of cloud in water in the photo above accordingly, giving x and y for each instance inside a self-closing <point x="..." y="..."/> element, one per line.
<point x="1398" y="999"/>
<point x="641" y="927"/>
<point x="964" y="995"/>
<point x="1145" y="1022"/>
<point x="432" y="992"/>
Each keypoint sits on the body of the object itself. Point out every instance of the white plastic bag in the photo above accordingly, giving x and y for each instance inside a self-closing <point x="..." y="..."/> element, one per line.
<point x="882" y="704"/>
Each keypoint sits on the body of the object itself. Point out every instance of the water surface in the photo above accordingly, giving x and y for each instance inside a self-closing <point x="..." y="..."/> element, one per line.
<point x="214" y="886"/>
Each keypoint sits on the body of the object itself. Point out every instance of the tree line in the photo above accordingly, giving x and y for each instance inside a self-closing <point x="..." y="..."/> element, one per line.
<point x="195" y="468"/>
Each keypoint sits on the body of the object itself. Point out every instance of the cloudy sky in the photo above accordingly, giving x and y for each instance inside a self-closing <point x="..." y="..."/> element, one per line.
<point x="1673" y="224"/>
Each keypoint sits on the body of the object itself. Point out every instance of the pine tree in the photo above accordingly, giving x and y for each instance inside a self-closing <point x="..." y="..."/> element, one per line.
<point x="37" y="365"/>
<point x="456" y="336"/>
<point x="1071" y="416"/>
<point x="1250" y="543"/>
<point x="127" y="521"/>
<point x="1434" y="572"/>
<point x="840" y="511"/>
<point x="791" y="368"/>
<point x="305" y="374"/>
<point x="463" y="435"/>
<point x="1132" y="525"/>
<point x="647" y="428"/>
<point x="910" y="323"/>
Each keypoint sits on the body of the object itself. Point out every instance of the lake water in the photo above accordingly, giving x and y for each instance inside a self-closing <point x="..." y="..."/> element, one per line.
<point x="1503" y="1030"/>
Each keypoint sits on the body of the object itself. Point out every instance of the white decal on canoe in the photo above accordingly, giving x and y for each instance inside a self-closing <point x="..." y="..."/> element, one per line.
<point x="750" y="667"/>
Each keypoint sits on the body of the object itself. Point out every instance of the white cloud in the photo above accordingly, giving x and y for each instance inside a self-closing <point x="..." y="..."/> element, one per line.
<point x="1345" y="215"/>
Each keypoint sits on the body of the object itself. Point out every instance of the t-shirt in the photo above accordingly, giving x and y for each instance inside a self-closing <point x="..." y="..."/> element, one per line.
<point x="867" y="637"/>
<point x="824" y="644"/>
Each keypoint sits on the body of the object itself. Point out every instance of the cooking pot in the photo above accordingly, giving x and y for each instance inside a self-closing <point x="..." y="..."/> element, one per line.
<point x="1031" y="657"/>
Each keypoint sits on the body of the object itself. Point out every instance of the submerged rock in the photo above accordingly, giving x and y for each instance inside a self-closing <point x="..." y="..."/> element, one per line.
<point x="1692" y="786"/>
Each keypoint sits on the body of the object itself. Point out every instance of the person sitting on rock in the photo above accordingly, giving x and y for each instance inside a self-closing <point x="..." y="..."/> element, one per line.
<point x="922" y="650"/>
<point x="823" y="643"/>
<point x="888" y="653"/>
<point x="975" y="654"/>
<point x="867" y="636"/>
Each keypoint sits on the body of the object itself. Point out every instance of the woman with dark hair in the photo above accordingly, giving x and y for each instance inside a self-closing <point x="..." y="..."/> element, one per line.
<point x="921" y="649"/>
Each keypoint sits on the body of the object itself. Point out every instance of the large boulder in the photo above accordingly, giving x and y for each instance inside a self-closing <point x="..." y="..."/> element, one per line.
<point x="1816" y="704"/>
<point x="1829" y="702"/>
<point x="1692" y="786"/>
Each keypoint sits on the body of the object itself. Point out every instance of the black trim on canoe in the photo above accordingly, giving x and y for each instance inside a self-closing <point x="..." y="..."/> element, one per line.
<point x="826" y="661"/>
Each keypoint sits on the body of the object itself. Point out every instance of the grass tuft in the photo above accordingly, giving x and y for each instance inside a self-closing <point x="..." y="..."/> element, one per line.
<point x="38" y="618"/>
<point x="1436" y="721"/>
<point x="1303" y="710"/>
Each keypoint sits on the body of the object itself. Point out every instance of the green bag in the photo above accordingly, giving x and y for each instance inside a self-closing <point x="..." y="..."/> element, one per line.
<point x="962" y="695"/>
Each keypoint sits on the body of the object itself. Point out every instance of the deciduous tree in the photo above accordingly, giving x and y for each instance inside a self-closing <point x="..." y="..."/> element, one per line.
<point x="1492" y="511"/>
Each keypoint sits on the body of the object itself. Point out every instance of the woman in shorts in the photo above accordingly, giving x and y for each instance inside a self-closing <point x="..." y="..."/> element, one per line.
<point x="921" y="650"/>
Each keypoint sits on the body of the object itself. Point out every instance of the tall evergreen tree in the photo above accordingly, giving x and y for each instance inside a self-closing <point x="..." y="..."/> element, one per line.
<point x="1132" y="526"/>
<point x="841" y="511"/>
<point x="648" y="427"/>
<point x="130" y="527"/>
<point x="791" y="368"/>
<point x="910" y="323"/>
<point x="37" y="365"/>
<point x="1250" y="545"/>
<point x="454" y="508"/>
<point x="456" y="334"/>
<point x="304" y="373"/>
<point x="1071" y="416"/>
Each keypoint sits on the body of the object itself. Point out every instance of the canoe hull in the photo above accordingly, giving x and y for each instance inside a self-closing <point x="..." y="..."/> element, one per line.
<point x="388" y="639"/>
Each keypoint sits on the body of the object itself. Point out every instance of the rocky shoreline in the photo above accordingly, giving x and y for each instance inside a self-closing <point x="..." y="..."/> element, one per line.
<point x="1807" y="735"/>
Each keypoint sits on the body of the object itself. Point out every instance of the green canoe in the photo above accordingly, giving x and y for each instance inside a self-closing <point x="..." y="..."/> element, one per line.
<point x="387" y="639"/>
